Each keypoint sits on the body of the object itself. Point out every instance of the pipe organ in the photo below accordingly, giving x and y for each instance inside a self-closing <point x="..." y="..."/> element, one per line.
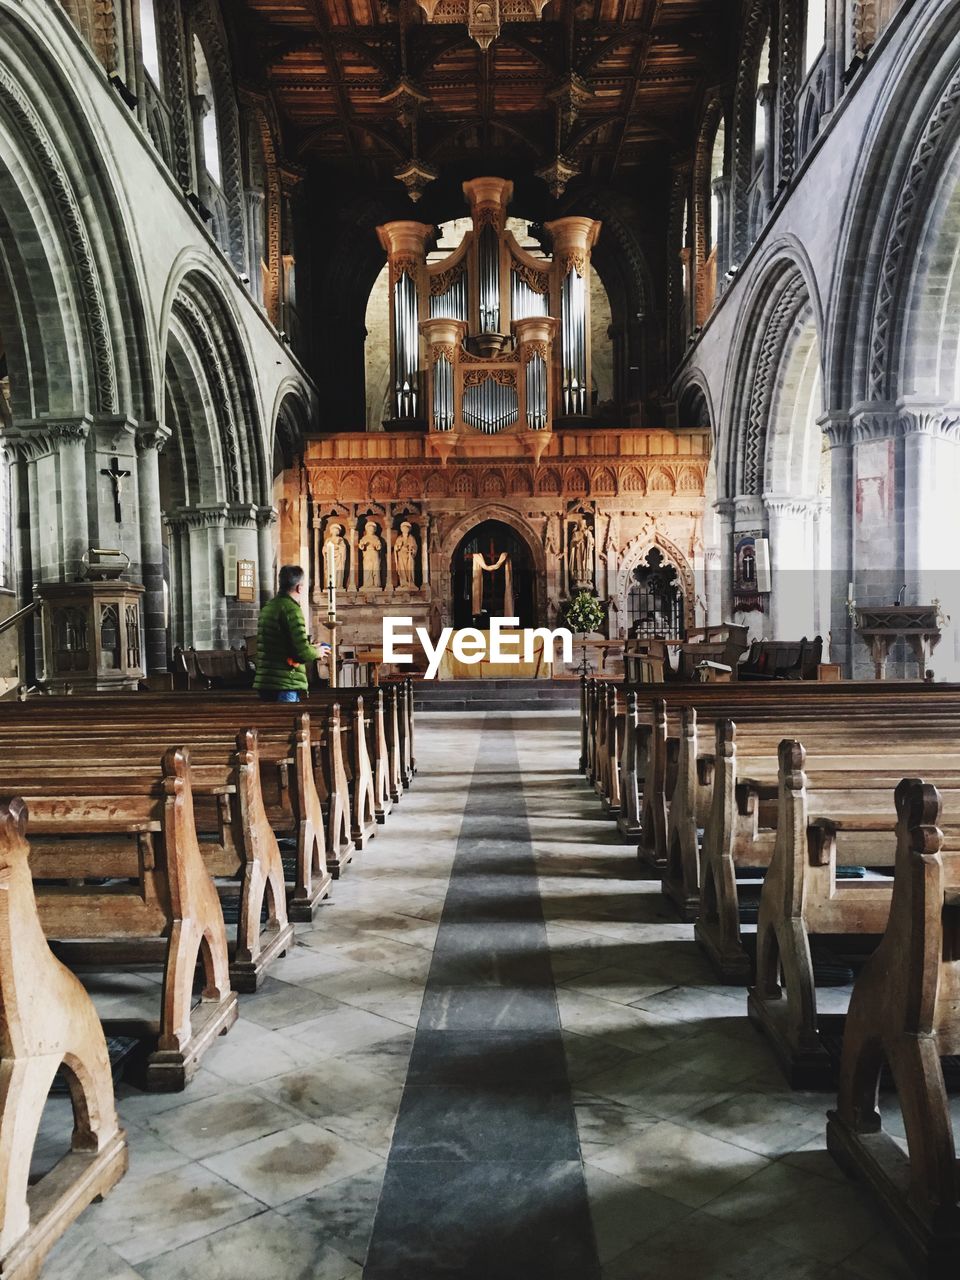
<point x="490" y="345"/>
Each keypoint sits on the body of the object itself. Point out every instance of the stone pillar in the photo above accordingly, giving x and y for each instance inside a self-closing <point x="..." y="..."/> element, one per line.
<point x="424" y="552"/>
<point x="354" y="575"/>
<point x="723" y="591"/>
<point x="712" y="588"/>
<point x="150" y="441"/>
<point x="68" y="448"/>
<point x="267" y="555"/>
<point x="838" y="431"/>
<point x="931" y="519"/>
<point x="721" y="189"/>
<point x="207" y="606"/>
<point x="749" y="514"/>
<point x="179" y="581"/>
<point x="792" y="566"/>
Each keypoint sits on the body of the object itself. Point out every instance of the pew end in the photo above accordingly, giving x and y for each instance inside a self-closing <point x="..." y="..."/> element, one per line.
<point x="904" y="1011"/>
<point x="47" y="1021"/>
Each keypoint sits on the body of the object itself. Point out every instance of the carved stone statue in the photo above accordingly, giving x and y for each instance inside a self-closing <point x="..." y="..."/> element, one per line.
<point x="405" y="556"/>
<point x="334" y="538"/>
<point x="370" y="546"/>
<point x="581" y="554"/>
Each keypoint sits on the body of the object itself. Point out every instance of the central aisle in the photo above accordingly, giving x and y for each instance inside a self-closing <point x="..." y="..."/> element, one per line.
<point x="484" y="1176"/>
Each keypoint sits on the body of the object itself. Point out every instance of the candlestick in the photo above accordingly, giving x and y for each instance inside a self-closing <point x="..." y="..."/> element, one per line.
<point x="331" y="585"/>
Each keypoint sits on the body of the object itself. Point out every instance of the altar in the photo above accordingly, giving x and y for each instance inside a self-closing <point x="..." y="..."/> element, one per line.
<point x="453" y="669"/>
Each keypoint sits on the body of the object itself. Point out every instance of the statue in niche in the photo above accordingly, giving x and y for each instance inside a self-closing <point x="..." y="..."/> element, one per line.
<point x="405" y="556"/>
<point x="334" y="539"/>
<point x="581" y="554"/>
<point x="370" y="546"/>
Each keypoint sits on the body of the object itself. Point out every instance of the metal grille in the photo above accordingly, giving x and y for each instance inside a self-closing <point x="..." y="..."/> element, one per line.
<point x="655" y="601"/>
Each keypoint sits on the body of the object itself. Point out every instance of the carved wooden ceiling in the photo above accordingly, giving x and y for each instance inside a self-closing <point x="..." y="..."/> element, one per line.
<point x="598" y="87"/>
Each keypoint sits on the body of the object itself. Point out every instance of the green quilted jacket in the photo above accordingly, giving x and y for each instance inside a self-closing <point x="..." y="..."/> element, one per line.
<point x="282" y="634"/>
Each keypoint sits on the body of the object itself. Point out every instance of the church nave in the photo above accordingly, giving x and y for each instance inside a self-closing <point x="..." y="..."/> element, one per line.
<point x="576" y="1095"/>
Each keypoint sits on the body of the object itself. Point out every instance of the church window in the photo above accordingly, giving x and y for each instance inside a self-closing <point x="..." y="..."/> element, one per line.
<point x="716" y="173"/>
<point x="149" y="43"/>
<point x="207" y="105"/>
<point x="763" y="86"/>
<point x="816" y="32"/>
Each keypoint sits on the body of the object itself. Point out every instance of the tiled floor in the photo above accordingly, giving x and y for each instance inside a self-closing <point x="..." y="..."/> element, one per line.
<point x="694" y="1158"/>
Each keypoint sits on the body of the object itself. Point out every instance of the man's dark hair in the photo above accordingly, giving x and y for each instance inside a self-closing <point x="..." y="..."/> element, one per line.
<point x="291" y="575"/>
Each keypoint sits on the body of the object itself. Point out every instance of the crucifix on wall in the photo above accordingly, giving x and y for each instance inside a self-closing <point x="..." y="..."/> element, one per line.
<point x="116" y="478"/>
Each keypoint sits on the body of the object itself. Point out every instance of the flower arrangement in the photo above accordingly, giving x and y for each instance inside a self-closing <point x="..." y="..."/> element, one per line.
<point x="583" y="612"/>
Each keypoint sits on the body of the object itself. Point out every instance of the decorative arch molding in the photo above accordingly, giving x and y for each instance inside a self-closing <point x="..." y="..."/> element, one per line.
<point x="760" y="18"/>
<point x="290" y="417"/>
<point x="636" y="552"/>
<point x="905" y="230"/>
<point x="713" y="116"/>
<point x="693" y="385"/>
<point x="266" y="129"/>
<point x="201" y="315"/>
<point x="90" y="351"/>
<point x="916" y="128"/>
<point x="207" y="23"/>
<point x="784" y="297"/>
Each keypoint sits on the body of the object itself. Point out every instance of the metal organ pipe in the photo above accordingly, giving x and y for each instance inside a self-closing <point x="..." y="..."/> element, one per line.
<point x="407" y="344"/>
<point x="536" y="388"/>
<point x="490" y="407"/>
<point x="488" y="257"/>
<point x="525" y="301"/>
<point x="573" y="324"/>
<point x="443" y="395"/>
<point x="452" y="305"/>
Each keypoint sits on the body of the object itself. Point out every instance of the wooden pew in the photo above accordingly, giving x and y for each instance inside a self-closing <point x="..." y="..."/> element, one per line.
<point x="47" y="1021"/>
<point x="295" y="773"/>
<point x="148" y="841"/>
<point x="904" y="1012"/>
<point x="740" y="829"/>
<point x="61" y="764"/>
<point x="850" y="810"/>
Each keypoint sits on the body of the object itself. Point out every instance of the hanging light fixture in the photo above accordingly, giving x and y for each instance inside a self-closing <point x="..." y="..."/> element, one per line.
<point x="485" y="18"/>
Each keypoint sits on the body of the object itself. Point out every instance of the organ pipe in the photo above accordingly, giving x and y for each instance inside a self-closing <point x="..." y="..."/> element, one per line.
<point x="505" y="342"/>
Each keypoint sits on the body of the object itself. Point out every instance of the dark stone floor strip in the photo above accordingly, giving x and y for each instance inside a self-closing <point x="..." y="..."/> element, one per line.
<point x="484" y="1180"/>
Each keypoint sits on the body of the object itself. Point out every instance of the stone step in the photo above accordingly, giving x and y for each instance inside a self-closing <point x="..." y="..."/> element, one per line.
<point x="496" y="695"/>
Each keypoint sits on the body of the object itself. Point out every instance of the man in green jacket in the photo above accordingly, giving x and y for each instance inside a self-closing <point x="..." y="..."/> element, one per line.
<point x="283" y="646"/>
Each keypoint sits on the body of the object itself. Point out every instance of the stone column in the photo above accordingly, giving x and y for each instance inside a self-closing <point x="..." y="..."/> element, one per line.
<point x="150" y="440"/>
<point x="179" y="581"/>
<point x="207" y="618"/>
<point x="712" y="588"/>
<point x="68" y="444"/>
<point x="723" y="590"/>
<point x="354" y="575"/>
<point x="792" y="568"/>
<point x="267" y="555"/>
<point x="838" y="431"/>
<point x="388" y="549"/>
<point x="425" y="553"/>
<point x="931" y="518"/>
<point x="721" y="189"/>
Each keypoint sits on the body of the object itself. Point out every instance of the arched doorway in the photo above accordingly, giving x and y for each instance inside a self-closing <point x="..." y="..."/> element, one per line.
<point x="655" y="599"/>
<point x="492" y="539"/>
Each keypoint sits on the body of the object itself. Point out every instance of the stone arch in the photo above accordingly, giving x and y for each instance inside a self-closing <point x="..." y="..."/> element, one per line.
<point x="705" y="281"/>
<point x="71" y="310"/>
<point x="206" y="23"/>
<point x="634" y="554"/>
<point x="759" y="21"/>
<point x="902" y="191"/>
<point x="785" y="303"/>
<point x="210" y="382"/>
<point x="290" y="420"/>
<point x="440" y="572"/>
